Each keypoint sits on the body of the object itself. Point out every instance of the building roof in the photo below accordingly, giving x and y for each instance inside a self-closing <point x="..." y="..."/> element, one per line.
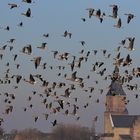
<point x="124" y="121"/>
<point x="115" y="89"/>
<point x="125" y="137"/>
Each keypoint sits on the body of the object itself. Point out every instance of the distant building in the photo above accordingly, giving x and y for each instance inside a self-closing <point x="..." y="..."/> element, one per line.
<point x="118" y="124"/>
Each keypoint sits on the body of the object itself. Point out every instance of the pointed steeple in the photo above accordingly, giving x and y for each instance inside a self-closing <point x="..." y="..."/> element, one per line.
<point x="115" y="87"/>
<point x="115" y="75"/>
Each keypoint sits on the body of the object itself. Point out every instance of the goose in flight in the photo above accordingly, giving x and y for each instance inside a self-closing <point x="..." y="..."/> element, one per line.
<point x="18" y="78"/>
<point x="31" y="80"/>
<point x="65" y="33"/>
<point x="67" y="93"/>
<point x="7" y="28"/>
<point x="119" y="23"/>
<point x="28" y="13"/>
<point x="20" y="24"/>
<point x="90" y="12"/>
<point x="27" y="49"/>
<point x="27" y="1"/>
<point x="46" y="35"/>
<point x="54" y="122"/>
<point x="37" y="61"/>
<point x="129" y="17"/>
<point x="127" y="61"/>
<point x="43" y="46"/>
<point x="83" y="19"/>
<point x="55" y="53"/>
<point x="83" y="43"/>
<point x="12" y="40"/>
<point x="13" y="5"/>
<point x="131" y="43"/>
<point x="114" y="11"/>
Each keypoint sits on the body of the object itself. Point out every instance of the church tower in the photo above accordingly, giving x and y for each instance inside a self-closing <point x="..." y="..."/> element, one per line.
<point x="115" y="100"/>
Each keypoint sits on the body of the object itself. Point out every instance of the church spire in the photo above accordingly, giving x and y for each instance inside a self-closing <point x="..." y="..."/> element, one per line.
<point x="115" y="87"/>
<point x="116" y="75"/>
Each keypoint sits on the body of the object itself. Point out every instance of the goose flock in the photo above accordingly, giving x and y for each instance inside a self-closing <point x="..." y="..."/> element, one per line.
<point x="51" y="84"/>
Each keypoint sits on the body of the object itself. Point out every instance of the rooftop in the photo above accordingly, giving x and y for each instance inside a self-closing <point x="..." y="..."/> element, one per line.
<point x="115" y="89"/>
<point x="125" y="137"/>
<point x="124" y="121"/>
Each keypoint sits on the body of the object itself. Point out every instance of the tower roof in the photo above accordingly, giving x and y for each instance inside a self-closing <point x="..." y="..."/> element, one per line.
<point x="115" y="87"/>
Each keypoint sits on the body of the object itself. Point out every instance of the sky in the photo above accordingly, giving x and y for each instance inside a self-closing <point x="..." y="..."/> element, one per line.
<point x="55" y="17"/>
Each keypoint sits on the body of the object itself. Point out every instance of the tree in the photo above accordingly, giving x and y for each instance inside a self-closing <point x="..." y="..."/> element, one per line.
<point x="1" y="131"/>
<point x="29" y="134"/>
<point x="70" y="132"/>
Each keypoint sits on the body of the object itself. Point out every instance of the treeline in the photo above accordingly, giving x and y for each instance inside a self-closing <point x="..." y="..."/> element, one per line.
<point x="70" y="132"/>
<point x="59" y="132"/>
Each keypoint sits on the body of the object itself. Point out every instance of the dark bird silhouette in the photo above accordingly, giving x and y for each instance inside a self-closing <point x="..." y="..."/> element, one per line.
<point x="3" y="47"/>
<point x="31" y="80"/>
<point x="69" y="34"/>
<point x="122" y="42"/>
<point x="129" y="17"/>
<point x="13" y="5"/>
<point x="12" y="40"/>
<point x="46" y="116"/>
<point x="119" y="23"/>
<point x="67" y="93"/>
<point x="20" y="24"/>
<point x="27" y="49"/>
<point x="37" y="61"/>
<point x="7" y="28"/>
<point x="95" y="52"/>
<point x="18" y="78"/>
<point x="27" y="1"/>
<point x="54" y="122"/>
<point x="73" y="76"/>
<point x="114" y="11"/>
<point x="36" y="118"/>
<point x="1" y="56"/>
<point x="127" y="61"/>
<point x="15" y="57"/>
<point x="43" y="46"/>
<point x="61" y="103"/>
<point x="28" y="13"/>
<point x="66" y="112"/>
<point x="55" y="53"/>
<point x="83" y="43"/>
<point x="90" y="12"/>
<point x="83" y="19"/>
<point x="65" y="33"/>
<point x="98" y="13"/>
<point x="130" y="44"/>
<point x="46" y="35"/>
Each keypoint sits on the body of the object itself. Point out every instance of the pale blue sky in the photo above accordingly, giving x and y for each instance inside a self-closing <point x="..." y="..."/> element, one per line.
<point x="54" y="17"/>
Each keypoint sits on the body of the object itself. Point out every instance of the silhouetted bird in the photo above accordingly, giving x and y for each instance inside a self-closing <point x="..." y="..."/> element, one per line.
<point x="27" y="1"/>
<point x="129" y="17"/>
<point x="119" y="23"/>
<point x="20" y="24"/>
<point x="28" y="13"/>
<point x="114" y="11"/>
<point x="90" y="12"/>
<point x="13" y="5"/>
<point x="43" y="46"/>
<point x="54" y="122"/>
